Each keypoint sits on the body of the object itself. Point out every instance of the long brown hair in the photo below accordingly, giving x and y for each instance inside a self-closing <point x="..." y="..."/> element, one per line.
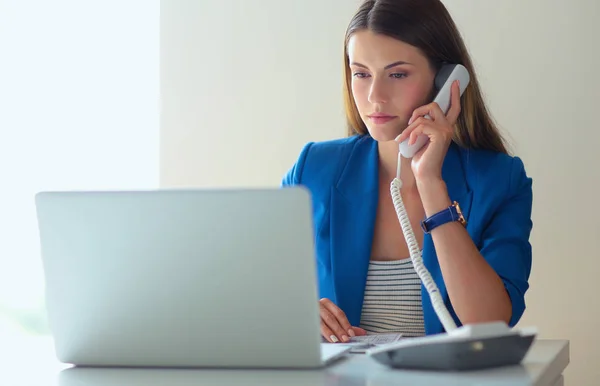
<point x="427" y="25"/>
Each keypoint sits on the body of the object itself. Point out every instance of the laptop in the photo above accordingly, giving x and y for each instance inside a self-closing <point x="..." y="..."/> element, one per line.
<point x="182" y="278"/>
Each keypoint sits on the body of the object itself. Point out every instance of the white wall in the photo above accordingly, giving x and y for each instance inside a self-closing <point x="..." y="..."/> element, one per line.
<point x="79" y="108"/>
<point x="245" y="86"/>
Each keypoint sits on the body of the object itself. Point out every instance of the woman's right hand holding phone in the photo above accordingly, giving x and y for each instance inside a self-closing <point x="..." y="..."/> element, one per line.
<point x="335" y="326"/>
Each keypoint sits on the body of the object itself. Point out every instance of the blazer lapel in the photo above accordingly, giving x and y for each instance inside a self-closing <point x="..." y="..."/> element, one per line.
<point x="454" y="176"/>
<point x="353" y="208"/>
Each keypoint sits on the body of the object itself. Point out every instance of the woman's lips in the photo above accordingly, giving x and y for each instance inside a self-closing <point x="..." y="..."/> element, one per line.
<point x="380" y="118"/>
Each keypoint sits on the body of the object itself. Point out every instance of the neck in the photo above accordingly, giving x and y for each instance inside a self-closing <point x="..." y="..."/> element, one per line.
<point x="388" y="164"/>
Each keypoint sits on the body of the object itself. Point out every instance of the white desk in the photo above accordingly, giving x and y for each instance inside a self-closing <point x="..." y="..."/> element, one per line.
<point x="543" y="365"/>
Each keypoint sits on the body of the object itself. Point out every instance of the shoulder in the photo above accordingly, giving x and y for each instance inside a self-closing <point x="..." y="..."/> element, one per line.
<point x="496" y="174"/>
<point x="502" y="196"/>
<point x="320" y="158"/>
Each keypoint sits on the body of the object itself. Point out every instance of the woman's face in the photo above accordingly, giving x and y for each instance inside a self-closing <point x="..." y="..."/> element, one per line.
<point x="390" y="79"/>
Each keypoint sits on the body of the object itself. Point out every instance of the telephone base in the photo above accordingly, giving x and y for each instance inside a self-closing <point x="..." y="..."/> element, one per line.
<point x="466" y="348"/>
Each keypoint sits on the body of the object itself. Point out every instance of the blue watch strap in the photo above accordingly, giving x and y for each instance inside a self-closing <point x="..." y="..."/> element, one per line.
<point x="450" y="214"/>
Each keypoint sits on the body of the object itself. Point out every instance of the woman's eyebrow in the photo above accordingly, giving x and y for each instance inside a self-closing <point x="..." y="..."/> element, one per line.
<point x="398" y="63"/>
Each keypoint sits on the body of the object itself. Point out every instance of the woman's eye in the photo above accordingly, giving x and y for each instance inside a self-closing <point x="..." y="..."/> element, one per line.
<point x="398" y="75"/>
<point x="360" y="75"/>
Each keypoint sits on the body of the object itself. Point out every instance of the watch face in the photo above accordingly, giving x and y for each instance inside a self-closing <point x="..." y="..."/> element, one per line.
<point x="461" y="218"/>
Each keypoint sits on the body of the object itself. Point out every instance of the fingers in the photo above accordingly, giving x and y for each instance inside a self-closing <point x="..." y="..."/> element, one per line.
<point x="412" y="127"/>
<point x="421" y="112"/>
<point x="331" y="329"/>
<point x="328" y="334"/>
<point x="430" y="130"/>
<point x="455" y="108"/>
<point x="435" y="112"/>
<point x="431" y="110"/>
<point x="339" y="315"/>
<point x="334" y="322"/>
<point x="359" y="331"/>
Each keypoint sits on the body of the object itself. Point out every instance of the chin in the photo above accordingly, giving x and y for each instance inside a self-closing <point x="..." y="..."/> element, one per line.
<point x="384" y="134"/>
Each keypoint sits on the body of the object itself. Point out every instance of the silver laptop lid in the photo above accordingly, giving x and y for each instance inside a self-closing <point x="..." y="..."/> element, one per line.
<point x="181" y="277"/>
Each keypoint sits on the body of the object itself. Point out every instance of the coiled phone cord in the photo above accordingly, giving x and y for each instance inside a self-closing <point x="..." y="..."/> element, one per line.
<point x="415" y="254"/>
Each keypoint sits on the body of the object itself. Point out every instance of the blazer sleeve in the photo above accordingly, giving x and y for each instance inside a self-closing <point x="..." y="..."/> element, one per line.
<point x="505" y="241"/>
<point x="294" y="175"/>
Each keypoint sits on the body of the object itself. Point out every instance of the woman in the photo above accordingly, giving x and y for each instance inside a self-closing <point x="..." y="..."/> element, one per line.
<point x="367" y="283"/>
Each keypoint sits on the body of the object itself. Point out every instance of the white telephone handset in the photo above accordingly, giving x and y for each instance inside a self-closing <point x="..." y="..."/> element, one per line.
<point x="443" y="82"/>
<point x="467" y="347"/>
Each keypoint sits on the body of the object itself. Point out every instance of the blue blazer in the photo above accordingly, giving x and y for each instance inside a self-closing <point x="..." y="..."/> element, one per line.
<point x="492" y="189"/>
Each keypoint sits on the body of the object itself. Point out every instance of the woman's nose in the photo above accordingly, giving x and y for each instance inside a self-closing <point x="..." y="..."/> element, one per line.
<point x="378" y="92"/>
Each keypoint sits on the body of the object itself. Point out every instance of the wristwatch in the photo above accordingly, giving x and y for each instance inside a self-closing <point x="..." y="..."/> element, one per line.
<point x="450" y="214"/>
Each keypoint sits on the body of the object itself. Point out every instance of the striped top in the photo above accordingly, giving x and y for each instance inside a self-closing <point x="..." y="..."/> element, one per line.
<point x="392" y="300"/>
